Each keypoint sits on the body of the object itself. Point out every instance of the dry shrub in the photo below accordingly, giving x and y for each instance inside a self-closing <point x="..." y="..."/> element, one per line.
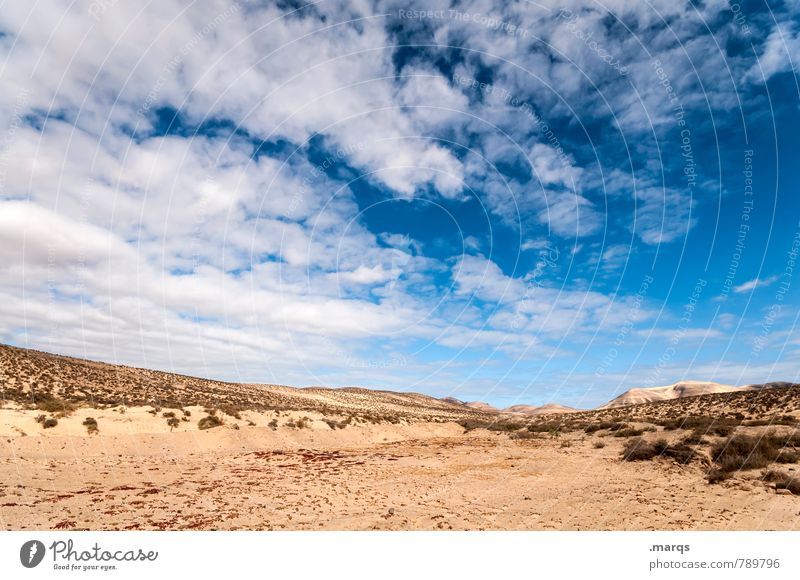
<point x="209" y="422"/>
<point x="783" y="480"/>
<point x="638" y="449"/>
<point x="91" y="425"/>
<point x="745" y="452"/>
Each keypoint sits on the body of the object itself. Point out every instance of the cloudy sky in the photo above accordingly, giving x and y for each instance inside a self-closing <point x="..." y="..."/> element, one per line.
<point x="529" y="202"/>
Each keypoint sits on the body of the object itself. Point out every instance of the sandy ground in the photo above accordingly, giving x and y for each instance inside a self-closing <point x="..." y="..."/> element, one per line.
<point x="136" y="474"/>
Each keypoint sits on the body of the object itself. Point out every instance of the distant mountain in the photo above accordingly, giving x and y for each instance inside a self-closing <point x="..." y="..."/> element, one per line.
<point x="481" y="406"/>
<point x="683" y="389"/>
<point x="550" y="408"/>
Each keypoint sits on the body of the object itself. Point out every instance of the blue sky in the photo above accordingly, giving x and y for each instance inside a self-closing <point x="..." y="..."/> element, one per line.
<point x="510" y="202"/>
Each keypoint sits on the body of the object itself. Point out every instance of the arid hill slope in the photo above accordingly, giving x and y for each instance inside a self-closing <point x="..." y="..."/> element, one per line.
<point x="28" y="375"/>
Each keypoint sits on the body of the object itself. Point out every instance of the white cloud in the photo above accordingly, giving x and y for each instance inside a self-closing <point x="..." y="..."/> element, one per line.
<point x="754" y="283"/>
<point x="780" y="53"/>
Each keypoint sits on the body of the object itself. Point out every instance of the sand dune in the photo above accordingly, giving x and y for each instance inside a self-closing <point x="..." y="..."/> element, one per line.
<point x="675" y="391"/>
<point x="684" y="389"/>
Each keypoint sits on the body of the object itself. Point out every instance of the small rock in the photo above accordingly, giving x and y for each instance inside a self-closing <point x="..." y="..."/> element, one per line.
<point x="391" y="511"/>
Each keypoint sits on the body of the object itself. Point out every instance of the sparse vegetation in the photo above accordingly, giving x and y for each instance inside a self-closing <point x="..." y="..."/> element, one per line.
<point x="715" y="475"/>
<point x="722" y="426"/>
<point x="605" y="425"/>
<point x="209" y="422"/>
<point x="787" y="456"/>
<point x="745" y="452"/>
<point x="638" y="449"/>
<point x="524" y="434"/>
<point x="273" y="424"/>
<point x="51" y="404"/>
<point x="598" y="444"/>
<point x="49" y="423"/>
<point x="173" y="422"/>
<point x="783" y="480"/>
<point x="231" y="411"/>
<point x="91" y="425"/>
<point x="629" y="432"/>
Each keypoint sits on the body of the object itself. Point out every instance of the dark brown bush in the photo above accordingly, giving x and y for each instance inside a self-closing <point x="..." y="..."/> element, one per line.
<point x="91" y="425"/>
<point x="209" y="422"/>
<point x="629" y="432"/>
<point x="603" y="425"/>
<point x="783" y="480"/>
<point x="637" y="449"/>
<point x="714" y="475"/>
<point x="788" y="456"/>
<point x="745" y="452"/>
<point x="51" y="404"/>
<point x="722" y="426"/>
<point x="524" y="434"/>
<point x="640" y="450"/>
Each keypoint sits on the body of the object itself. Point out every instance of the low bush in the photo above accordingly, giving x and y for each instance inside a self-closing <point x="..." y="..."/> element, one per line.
<point x="640" y="450"/>
<point x="523" y="434"/>
<point x="629" y="432"/>
<point x="173" y="422"/>
<point x="599" y="444"/>
<point x="91" y="425"/>
<point x="787" y="456"/>
<point x="49" y="423"/>
<point x="783" y="480"/>
<point x="209" y="422"/>
<point x="745" y="452"/>
<point x="605" y="425"/>
<point x="50" y="404"/>
<point x="722" y="426"/>
<point x="231" y="411"/>
<point x="715" y="475"/>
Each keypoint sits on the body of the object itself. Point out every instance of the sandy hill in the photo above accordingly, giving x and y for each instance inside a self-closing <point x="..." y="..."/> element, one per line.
<point x="29" y="375"/>
<point x="548" y="409"/>
<point x="677" y="391"/>
<point x="683" y="389"/>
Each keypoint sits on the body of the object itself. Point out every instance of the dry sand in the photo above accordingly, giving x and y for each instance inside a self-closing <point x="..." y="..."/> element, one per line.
<point x="137" y="475"/>
<point x="355" y="459"/>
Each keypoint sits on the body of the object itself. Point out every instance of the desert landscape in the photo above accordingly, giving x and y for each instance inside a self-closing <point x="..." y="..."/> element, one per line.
<point x="94" y="446"/>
